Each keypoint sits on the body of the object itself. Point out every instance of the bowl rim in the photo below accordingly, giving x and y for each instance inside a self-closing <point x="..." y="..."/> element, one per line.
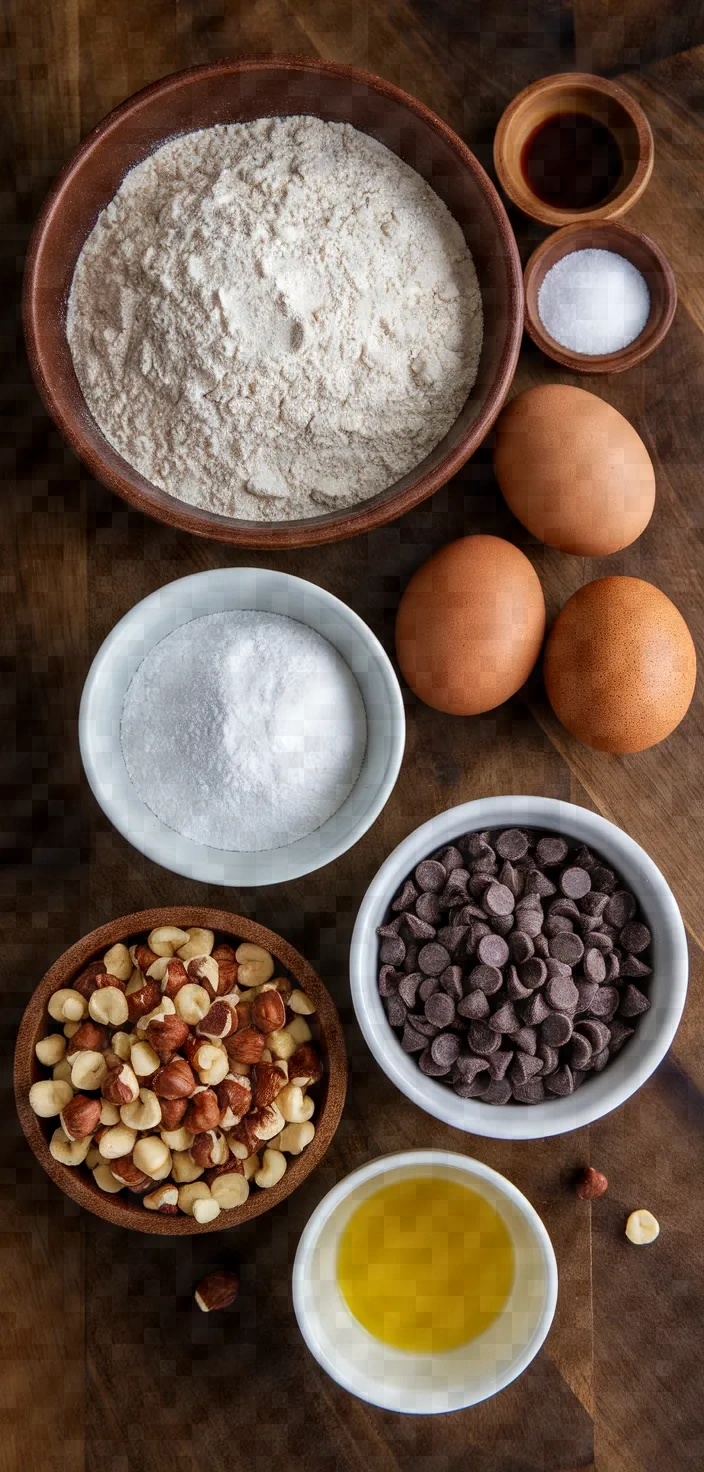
<point x="127" y="482"/>
<point x="416" y="1159"/>
<point x="123" y="1210"/>
<point x="546" y="214"/>
<point x="506" y="1122"/>
<point x="647" y="340"/>
<point x="94" y="764"/>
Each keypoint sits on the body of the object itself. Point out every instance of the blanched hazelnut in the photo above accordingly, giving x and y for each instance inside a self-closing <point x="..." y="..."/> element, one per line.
<point x="163" y="1008"/>
<point x="273" y="1167"/>
<point x="117" y="1141"/>
<point x="51" y="1049"/>
<point x="190" y="1193"/>
<point x="200" y="943"/>
<point x="295" y="1137"/>
<point x="300" y="1002"/>
<point x="68" y="1152"/>
<point x="109" y="1114"/>
<point x="70" y="1028"/>
<point x="106" y="1181"/>
<point x="295" y="1106"/>
<point x="183" y="1167"/>
<point x="151" y="1155"/>
<point x="250" y="1166"/>
<point x="61" y="1072"/>
<point x="143" y="1059"/>
<point x="121" y="1044"/>
<point x="255" y="965"/>
<point x="49" y="1096"/>
<point x="230" y="1190"/>
<point x="166" y="939"/>
<point x="179" y="1139"/>
<point x="282" y="1044"/>
<point x="118" y="962"/>
<point x="212" y="1064"/>
<point x="67" y="1005"/>
<point x="109" y="1006"/>
<point x="299" y="1029"/>
<point x="143" y="1113"/>
<point x="192" y="1002"/>
<point x="88" y="1070"/>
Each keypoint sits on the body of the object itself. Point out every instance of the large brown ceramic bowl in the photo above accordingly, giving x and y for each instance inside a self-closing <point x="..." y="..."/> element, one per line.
<point x="124" y="1210"/>
<point x="236" y="91"/>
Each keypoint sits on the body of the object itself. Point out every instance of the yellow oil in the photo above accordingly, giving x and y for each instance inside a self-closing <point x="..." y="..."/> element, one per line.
<point x="425" y="1264"/>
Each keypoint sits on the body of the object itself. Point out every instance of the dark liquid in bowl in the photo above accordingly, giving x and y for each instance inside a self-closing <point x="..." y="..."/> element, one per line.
<point x="572" y="161"/>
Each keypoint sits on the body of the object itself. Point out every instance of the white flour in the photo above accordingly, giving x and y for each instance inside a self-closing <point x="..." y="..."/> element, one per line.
<point x="243" y="730"/>
<point x="275" y="319"/>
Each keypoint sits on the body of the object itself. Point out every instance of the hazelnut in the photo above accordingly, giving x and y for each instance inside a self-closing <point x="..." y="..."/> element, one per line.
<point x="216" y="1291"/>
<point x="174" y="977"/>
<point x="121" y="1045"/>
<point x="246" y="1046"/>
<point x="220" y="1020"/>
<point x="80" y="1117"/>
<point x="88" y="1070"/>
<point x="183" y="1167"/>
<point x="204" y="971"/>
<point x="272" y="1169"/>
<point x="304" y="1066"/>
<point x="269" y="1080"/>
<point x="172" y="1112"/>
<point x="227" y="967"/>
<point x="229" y="1167"/>
<point x="166" y="939"/>
<point x="200" y="943"/>
<point x="109" y="1114"/>
<point x="89" y="1037"/>
<point x="203" y="1112"/>
<point x="87" y="982"/>
<point x="179" y="1139"/>
<point x="166" y="1035"/>
<point x="117" y="1141"/>
<point x="295" y="1106"/>
<point x="255" y="964"/>
<point x="295" y="1137"/>
<point x="68" y="1152"/>
<point x="67" y="1005"/>
<point x="108" y="980"/>
<point x="300" y="1002"/>
<point x="591" y="1184"/>
<point x="299" y="1030"/>
<point x="144" y="1113"/>
<point x="642" y="1227"/>
<point x="268" y="1011"/>
<point x="282" y="1044"/>
<point x="109" y="1006"/>
<point x="235" y="1100"/>
<point x="175" y="1080"/>
<point x="51" y="1049"/>
<point x="143" y="956"/>
<point x="212" y="1064"/>
<point x="49" y="1096"/>
<point x="142" y="999"/>
<point x="164" y="1199"/>
<point x="120" y="1085"/>
<point x="144" y="1060"/>
<point x="126" y="1172"/>
<point x="105" y="1180"/>
<point x="165" y="1008"/>
<point x="152" y="1156"/>
<point x="209" y="1148"/>
<point x="118" y="962"/>
<point x="192" y="1002"/>
<point x="259" y="1126"/>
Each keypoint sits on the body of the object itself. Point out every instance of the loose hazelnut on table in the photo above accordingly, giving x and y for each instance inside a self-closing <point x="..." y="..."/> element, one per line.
<point x="49" y="1096"/>
<point x="642" y="1227"/>
<point x="216" y="1291"/>
<point x="591" y="1184"/>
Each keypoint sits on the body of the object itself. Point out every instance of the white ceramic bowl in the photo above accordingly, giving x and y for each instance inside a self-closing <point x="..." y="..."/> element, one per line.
<point x="418" y="1383"/>
<point x="655" y="1029"/>
<point x="223" y="589"/>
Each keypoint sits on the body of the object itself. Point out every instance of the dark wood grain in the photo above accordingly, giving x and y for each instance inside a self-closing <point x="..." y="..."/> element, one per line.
<point x="107" y="1365"/>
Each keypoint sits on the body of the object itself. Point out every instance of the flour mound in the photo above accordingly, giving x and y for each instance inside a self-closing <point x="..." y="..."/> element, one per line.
<point x="275" y="319"/>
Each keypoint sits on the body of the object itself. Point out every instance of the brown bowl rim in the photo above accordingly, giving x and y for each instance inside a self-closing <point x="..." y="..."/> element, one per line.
<point x="123" y="1211"/>
<point x="647" y="341"/>
<point x="614" y="208"/>
<point x="333" y="526"/>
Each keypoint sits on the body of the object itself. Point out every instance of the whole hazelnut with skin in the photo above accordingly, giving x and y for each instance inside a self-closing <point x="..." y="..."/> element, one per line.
<point x="216" y="1291"/>
<point x="125" y="1170"/>
<point x="91" y="1037"/>
<point x="143" y="1000"/>
<point x="167" y="1035"/>
<point x="80" y="1117"/>
<point x="175" y="1080"/>
<point x="172" y="1112"/>
<point x="246" y="1046"/>
<point x="591" y="1184"/>
<point x="268" y="1011"/>
<point x="120" y="1086"/>
<point x="203" y="1112"/>
<point x="87" y="982"/>
<point x="175" y="976"/>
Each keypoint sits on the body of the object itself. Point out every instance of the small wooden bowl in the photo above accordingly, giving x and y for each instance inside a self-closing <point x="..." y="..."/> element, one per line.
<point x="126" y="1211"/>
<point x="635" y="247"/>
<point x="571" y="92"/>
<point x="237" y="91"/>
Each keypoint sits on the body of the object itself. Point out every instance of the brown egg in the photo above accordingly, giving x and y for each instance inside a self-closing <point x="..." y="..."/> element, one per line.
<point x="573" y="470"/>
<point x="470" y="625"/>
<point x="620" y="665"/>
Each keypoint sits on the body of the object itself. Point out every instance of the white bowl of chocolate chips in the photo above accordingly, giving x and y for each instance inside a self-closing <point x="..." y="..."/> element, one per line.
<point x="531" y="969"/>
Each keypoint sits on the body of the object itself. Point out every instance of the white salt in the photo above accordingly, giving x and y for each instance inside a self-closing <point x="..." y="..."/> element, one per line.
<point x="594" y="301"/>
<point x="243" y="730"/>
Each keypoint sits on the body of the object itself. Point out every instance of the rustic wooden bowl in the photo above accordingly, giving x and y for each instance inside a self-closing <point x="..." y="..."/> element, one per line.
<point x="235" y="91"/>
<point x="602" y="100"/>
<point x="637" y="248"/>
<point x="126" y="1211"/>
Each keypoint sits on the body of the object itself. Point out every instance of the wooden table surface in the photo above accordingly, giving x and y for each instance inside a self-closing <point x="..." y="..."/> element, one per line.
<point x="107" y="1365"/>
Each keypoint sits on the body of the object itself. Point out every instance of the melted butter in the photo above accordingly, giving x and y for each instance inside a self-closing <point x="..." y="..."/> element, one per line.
<point x="425" y="1264"/>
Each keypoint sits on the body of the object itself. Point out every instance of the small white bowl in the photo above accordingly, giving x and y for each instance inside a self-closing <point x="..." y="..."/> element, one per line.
<point x="419" y="1383"/>
<point x="220" y="590"/>
<point x="654" y="1031"/>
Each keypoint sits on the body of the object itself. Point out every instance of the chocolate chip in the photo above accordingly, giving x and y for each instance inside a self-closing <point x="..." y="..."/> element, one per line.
<point x="600" y="1060"/>
<point x="511" y="844"/>
<point x="417" y="928"/>
<point x="499" y="1063"/>
<point x="433" y="959"/>
<point x="498" y="1092"/>
<point x="567" y="948"/>
<point x="388" y="982"/>
<point x="410" y="960"/>
<point x="605" y="1003"/>
<point x="474" y="843"/>
<point x="562" y="994"/>
<point x="594" y="965"/>
<point x="478" y="884"/>
<point x="558" y="968"/>
<point x="504" y="1019"/>
<point x="475" y="1006"/>
<point x="391" y="928"/>
<point x="428" y="987"/>
<point x="451" y="982"/>
<point x="430" y="876"/>
<point x="487" y="863"/>
<point x="493" y="950"/>
<point x="419" y="1021"/>
<point x="633" y="966"/>
<point x="428" y="908"/>
<point x="558" y="925"/>
<point x="580" y="1051"/>
<point x="551" y="851"/>
<point x="535" y="1010"/>
<point x="455" y="890"/>
<point x="550" y="1058"/>
<point x="487" y="978"/>
<point x="524" y="1067"/>
<point x="633" y="1002"/>
<point x="565" y="907"/>
<point x="533" y="973"/>
<point x="470" y="1090"/>
<point x="440" y="1009"/>
<point x="556" y="1030"/>
<point x="396" y="1011"/>
<point x="620" y="909"/>
<point x="468" y="1065"/>
<point x="512" y="878"/>
<point x="537" y="883"/>
<point x="585" y="859"/>
<point x="587" y="991"/>
<point x="541" y="947"/>
<point x="427" y="1064"/>
<point x="529" y="921"/>
<point x="407" y="896"/>
<point x="476" y="930"/>
<point x="498" y="900"/>
<point x="531" y="1093"/>
<point x="452" y="937"/>
<point x="468" y="913"/>
<point x="528" y="902"/>
<point x="482" y="1039"/>
<point x="593" y="904"/>
<point x="561" y="1082"/>
<point x="412" y="1040"/>
<point x="603" y="879"/>
<point x="515" y="989"/>
<point x="520" y="946"/>
<point x="526" y="1039"/>
<point x="597" y="1034"/>
<point x="445" y="1049"/>
<point x="392" y="950"/>
<point x="600" y="941"/>
<point x="450" y="858"/>
<point x="613" y="967"/>
<point x="575" y="882"/>
<point x="619" y="1035"/>
<point x="635" y="937"/>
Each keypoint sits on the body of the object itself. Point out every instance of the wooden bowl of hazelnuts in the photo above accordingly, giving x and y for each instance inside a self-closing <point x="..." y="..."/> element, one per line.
<point x="180" y="1070"/>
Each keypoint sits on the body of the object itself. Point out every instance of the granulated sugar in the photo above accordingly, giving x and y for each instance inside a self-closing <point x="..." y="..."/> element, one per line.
<point x="594" y="301"/>
<point x="243" y="730"/>
<point x="275" y="319"/>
